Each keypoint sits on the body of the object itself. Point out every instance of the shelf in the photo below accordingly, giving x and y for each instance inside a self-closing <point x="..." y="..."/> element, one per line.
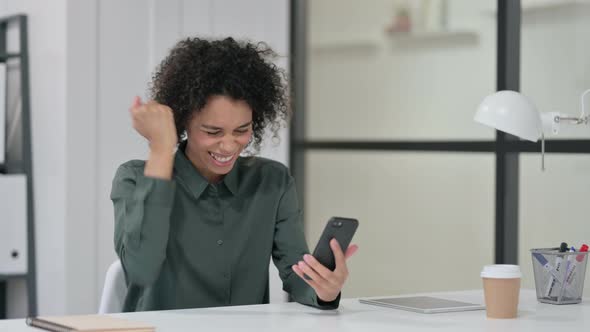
<point x="6" y="277"/>
<point x="438" y="38"/>
<point x="24" y="164"/>
<point x="344" y="45"/>
<point x="549" y="6"/>
<point x="6" y="56"/>
<point x="545" y="5"/>
<point x="12" y="167"/>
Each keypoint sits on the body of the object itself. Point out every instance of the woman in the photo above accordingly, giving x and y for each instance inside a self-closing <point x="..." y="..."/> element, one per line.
<point x="196" y="224"/>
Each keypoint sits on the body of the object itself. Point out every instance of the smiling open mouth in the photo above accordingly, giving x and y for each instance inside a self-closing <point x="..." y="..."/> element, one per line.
<point x="221" y="159"/>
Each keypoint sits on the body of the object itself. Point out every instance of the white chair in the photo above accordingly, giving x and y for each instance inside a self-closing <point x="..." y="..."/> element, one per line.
<point x="114" y="290"/>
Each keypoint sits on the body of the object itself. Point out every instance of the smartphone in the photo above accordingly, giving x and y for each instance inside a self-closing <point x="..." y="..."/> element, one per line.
<point x="339" y="228"/>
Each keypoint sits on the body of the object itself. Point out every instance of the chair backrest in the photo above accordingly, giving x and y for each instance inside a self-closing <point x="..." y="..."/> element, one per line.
<point x="114" y="290"/>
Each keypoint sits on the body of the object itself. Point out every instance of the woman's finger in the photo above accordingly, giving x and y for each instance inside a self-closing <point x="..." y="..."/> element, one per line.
<point x="323" y="271"/>
<point x="136" y="102"/>
<point x="352" y="249"/>
<point x="300" y="273"/>
<point x="313" y="274"/>
<point x="338" y="254"/>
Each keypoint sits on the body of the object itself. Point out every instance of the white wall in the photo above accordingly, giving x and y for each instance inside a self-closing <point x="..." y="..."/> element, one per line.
<point x="88" y="59"/>
<point x="81" y="157"/>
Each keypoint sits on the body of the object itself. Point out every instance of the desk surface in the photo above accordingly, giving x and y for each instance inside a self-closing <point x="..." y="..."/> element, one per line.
<point x="355" y="316"/>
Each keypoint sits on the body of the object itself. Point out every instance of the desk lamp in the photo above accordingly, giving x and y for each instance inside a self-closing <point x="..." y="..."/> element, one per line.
<point x="515" y="114"/>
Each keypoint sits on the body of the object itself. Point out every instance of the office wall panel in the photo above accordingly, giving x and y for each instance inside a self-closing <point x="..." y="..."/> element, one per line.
<point x="366" y="84"/>
<point x="426" y="219"/>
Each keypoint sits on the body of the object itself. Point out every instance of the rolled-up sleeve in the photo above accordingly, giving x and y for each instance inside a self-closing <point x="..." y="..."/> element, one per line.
<point x="142" y="207"/>
<point x="290" y="246"/>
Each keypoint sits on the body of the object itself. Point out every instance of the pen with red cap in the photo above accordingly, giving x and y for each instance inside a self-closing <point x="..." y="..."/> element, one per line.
<point x="571" y="273"/>
<point x="568" y="266"/>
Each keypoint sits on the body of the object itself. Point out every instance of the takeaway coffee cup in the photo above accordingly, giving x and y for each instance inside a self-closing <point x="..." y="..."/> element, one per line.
<point x="501" y="286"/>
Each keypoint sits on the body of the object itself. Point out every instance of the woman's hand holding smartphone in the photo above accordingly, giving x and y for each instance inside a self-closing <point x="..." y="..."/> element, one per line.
<point x="326" y="271"/>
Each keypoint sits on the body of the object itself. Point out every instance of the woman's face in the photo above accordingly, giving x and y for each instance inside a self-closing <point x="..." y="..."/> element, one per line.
<point x="217" y="135"/>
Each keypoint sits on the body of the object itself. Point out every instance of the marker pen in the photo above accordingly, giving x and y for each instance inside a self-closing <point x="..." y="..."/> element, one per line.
<point x="571" y="273"/>
<point x="541" y="259"/>
<point x="558" y="262"/>
<point x="568" y="267"/>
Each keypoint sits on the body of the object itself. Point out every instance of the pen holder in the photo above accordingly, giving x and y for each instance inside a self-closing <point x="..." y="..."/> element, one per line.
<point x="559" y="276"/>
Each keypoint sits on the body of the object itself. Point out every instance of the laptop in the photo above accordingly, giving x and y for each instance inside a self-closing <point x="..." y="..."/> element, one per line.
<point x="424" y="304"/>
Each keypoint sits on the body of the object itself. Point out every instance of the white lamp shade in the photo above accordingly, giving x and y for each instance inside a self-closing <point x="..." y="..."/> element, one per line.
<point x="510" y="112"/>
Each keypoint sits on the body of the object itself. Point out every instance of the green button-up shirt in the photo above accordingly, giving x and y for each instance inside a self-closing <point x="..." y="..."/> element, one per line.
<point x="187" y="243"/>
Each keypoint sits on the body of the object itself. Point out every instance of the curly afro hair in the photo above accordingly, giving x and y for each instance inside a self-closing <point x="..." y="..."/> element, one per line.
<point x="197" y="69"/>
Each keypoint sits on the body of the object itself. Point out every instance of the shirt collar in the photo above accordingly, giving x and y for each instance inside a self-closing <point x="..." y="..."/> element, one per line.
<point x="194" y="181"/>
<point x="231" y="179"/>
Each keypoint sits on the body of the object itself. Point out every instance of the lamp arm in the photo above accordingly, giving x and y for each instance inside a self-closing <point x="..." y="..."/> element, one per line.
<point x="552" y="121"/>
<point x="572" y="119"/>
<point x="542" y="151"/>
<point x="584" y="117"/>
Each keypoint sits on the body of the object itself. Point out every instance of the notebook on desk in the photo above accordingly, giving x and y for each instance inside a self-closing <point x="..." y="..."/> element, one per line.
<point x="424" y="304"/>
<point x="87" y="323"/>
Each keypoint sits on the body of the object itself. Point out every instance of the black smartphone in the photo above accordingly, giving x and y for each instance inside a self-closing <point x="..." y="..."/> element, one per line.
<point x="339" y="228"/>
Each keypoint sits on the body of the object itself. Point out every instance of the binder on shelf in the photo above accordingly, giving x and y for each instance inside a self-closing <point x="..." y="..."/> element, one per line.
<point x="13" y="224"/>
<point x="2" y="112"/>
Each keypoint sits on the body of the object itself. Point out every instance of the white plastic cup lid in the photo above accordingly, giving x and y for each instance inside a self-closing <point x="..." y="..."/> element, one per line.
<point x="501" y="271"/>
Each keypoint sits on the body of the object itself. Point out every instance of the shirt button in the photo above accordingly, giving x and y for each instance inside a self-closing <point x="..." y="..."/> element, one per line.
<point x="219" y="242"/>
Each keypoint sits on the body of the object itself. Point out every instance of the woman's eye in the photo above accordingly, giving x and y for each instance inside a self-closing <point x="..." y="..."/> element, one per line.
<point x="242" y="131"/>
<point x="213" y="133"/>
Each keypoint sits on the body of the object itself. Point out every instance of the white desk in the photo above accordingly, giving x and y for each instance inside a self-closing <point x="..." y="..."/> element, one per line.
<point x="355" y="316"/>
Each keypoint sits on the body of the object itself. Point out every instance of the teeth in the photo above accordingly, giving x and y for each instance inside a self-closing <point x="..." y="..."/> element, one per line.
<point x="220" y="159"/>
